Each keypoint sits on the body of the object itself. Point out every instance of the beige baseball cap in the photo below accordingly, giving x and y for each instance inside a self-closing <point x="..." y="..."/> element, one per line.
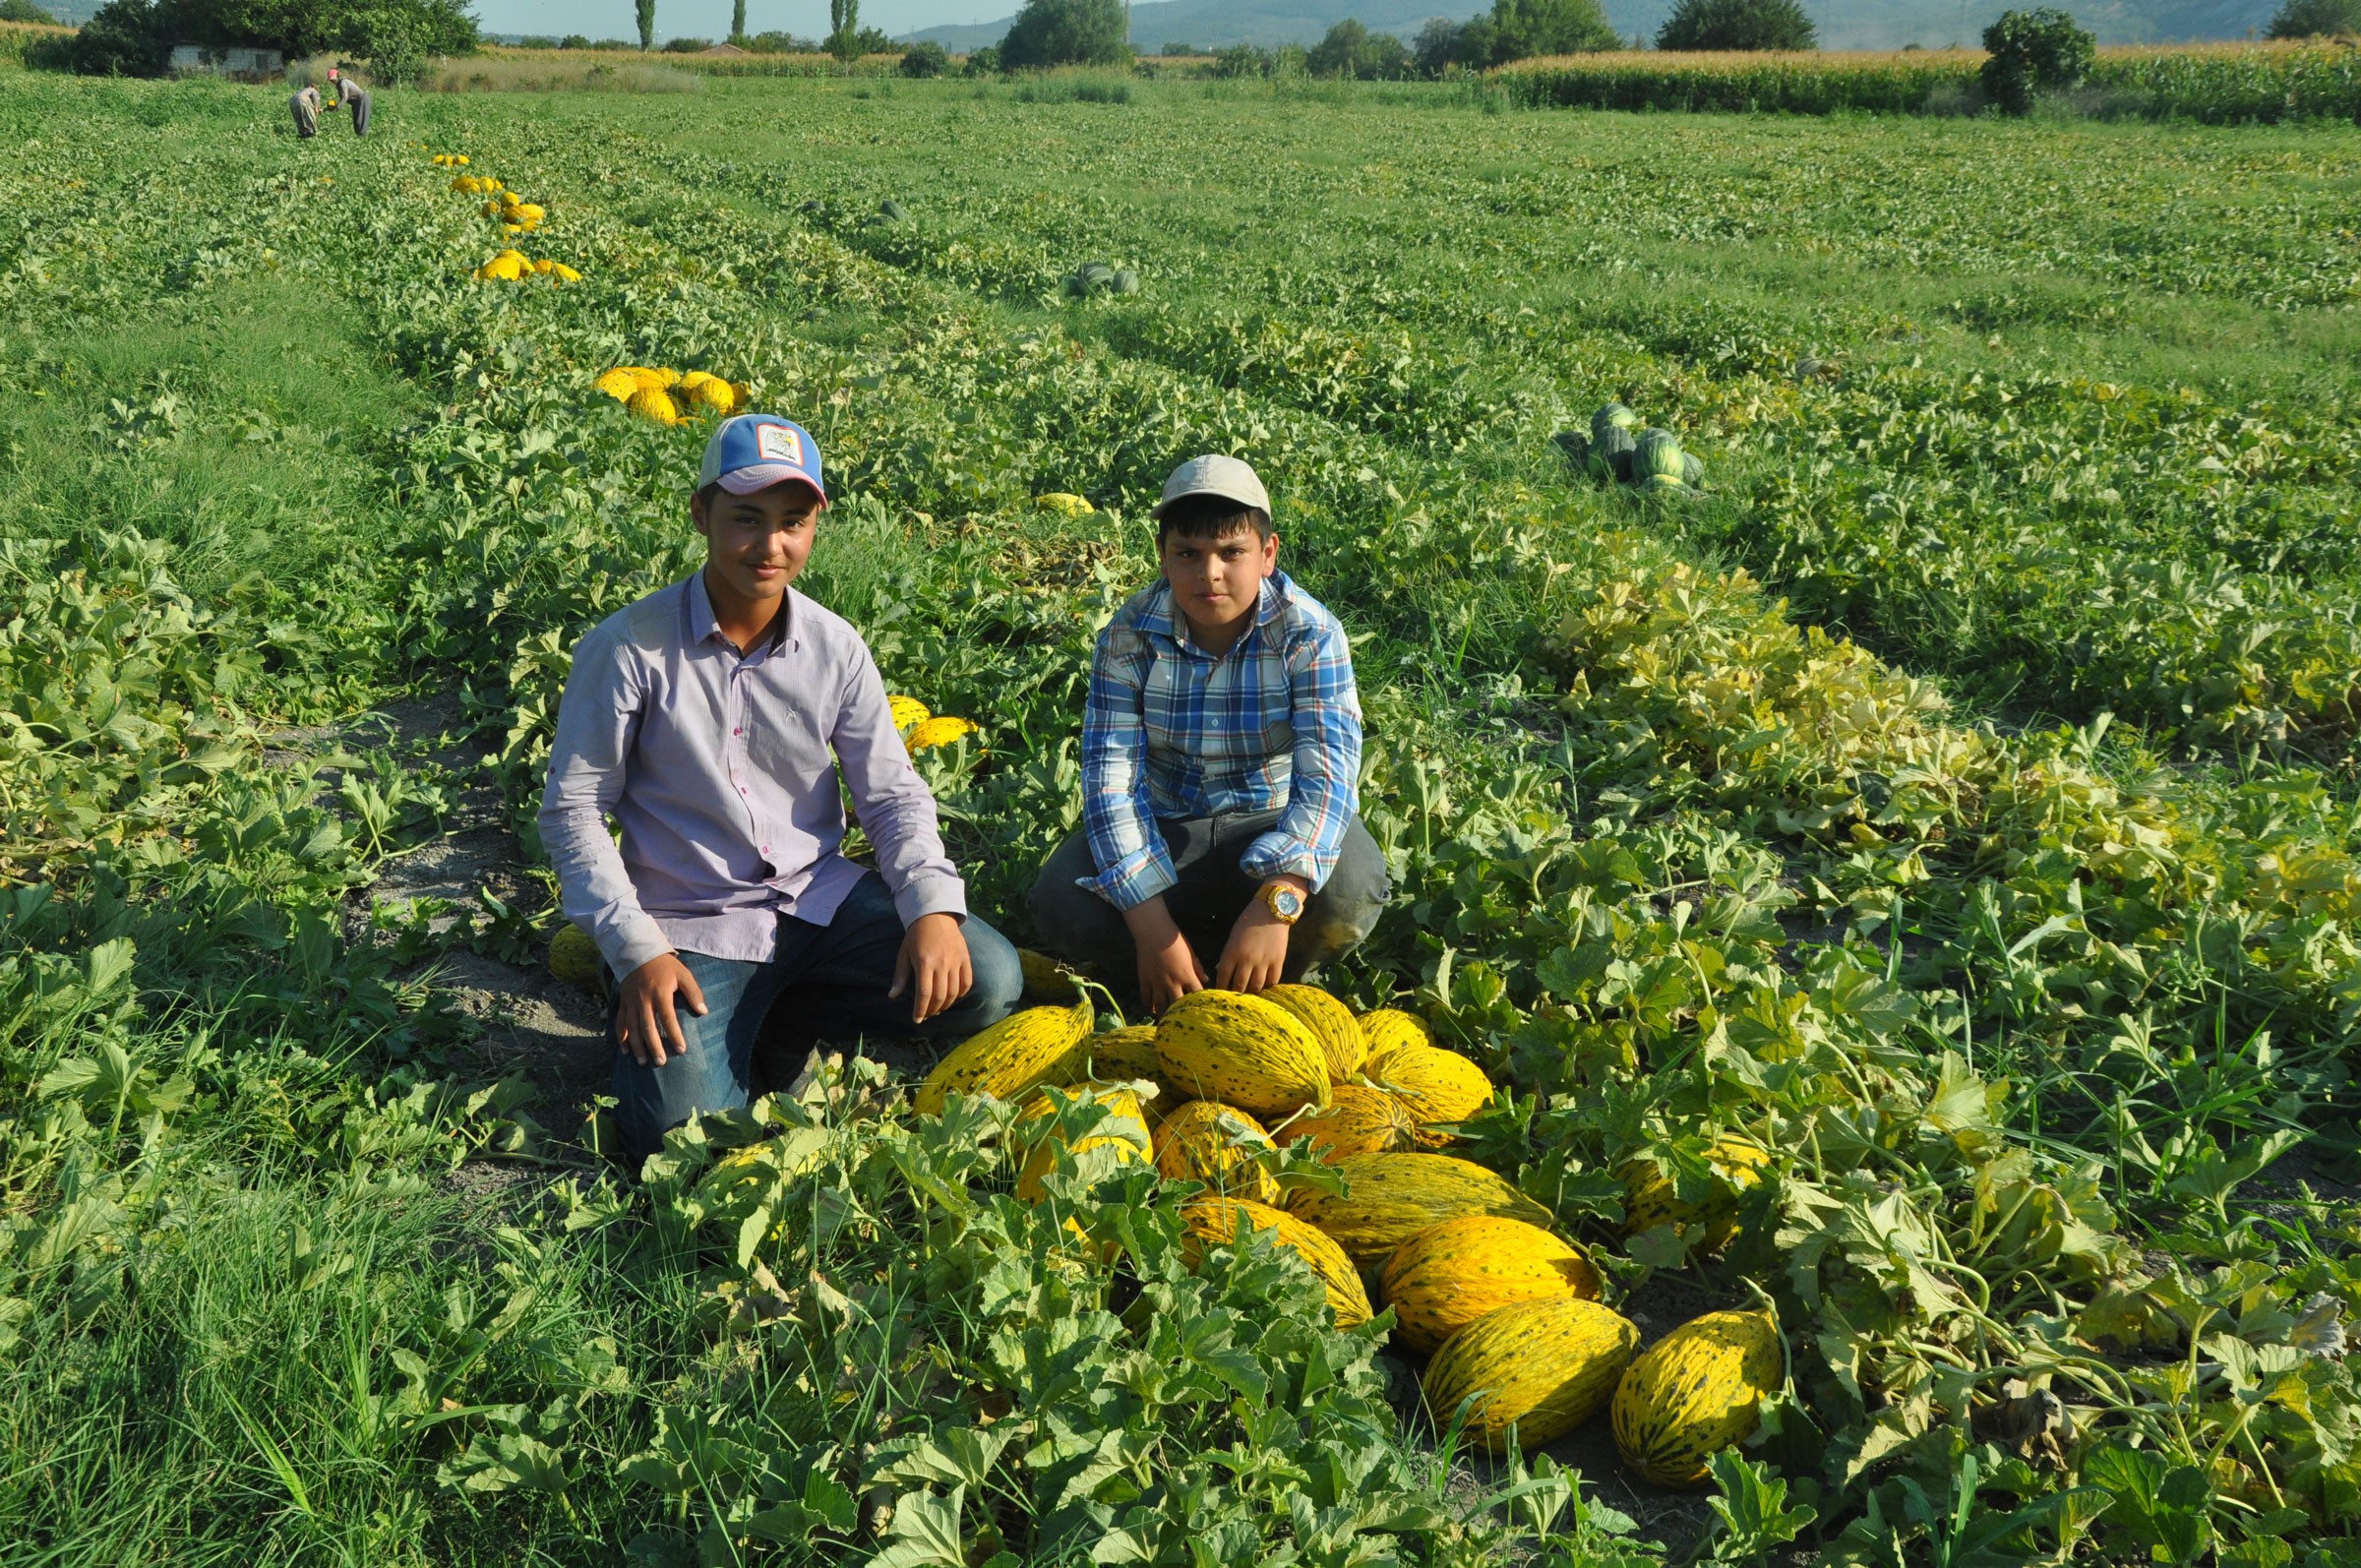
<point x="1214" y="475"/>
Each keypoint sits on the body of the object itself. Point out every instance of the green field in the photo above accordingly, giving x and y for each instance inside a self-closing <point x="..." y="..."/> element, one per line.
<point x="1955" y="793"/>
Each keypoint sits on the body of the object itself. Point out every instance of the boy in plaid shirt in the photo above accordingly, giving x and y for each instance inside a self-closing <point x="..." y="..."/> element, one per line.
<point x="1221" y="760"/>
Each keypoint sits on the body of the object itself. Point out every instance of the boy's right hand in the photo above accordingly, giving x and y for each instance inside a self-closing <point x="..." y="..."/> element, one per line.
<point x="645" y="1021"/>
<point x="1168" y="965"/>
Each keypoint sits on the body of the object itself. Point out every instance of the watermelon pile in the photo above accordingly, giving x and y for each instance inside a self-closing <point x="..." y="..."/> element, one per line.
<point x="1652" y="459"/>
<point x="1100" y="277"/>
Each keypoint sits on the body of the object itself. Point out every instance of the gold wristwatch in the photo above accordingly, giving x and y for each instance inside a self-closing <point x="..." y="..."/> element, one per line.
<point x="1284" y="902"/>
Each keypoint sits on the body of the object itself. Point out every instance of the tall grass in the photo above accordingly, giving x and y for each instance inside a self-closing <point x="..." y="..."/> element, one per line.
<point x="2214" y="83"/>
<point x="575" y="72"/>
<point x="730" y="65"/>
<point x="17" y="36"/>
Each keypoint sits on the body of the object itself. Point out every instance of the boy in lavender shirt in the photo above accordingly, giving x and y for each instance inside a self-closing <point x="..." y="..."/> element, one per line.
<point x="720" y="721"/>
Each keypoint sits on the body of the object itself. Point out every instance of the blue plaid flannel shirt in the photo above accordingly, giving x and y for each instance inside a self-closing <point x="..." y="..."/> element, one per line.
<point x="1171" y="730"/>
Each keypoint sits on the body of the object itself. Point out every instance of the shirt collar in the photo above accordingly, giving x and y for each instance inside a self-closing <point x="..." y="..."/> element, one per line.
<point x="1157" y="616"/>
<point x="703" y="627"/>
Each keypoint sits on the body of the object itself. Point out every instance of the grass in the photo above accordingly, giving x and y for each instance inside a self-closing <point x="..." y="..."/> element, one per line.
<point x="318" y="1302"/>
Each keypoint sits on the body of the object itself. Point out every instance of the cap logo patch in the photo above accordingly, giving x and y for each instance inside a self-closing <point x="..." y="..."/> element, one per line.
<point x="778" y="444"/>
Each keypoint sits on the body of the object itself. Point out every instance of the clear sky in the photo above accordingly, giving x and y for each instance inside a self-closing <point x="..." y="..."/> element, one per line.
<point x="711" y="19"/>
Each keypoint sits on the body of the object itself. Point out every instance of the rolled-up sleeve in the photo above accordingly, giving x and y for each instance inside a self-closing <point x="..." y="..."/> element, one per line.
<point x="598" y="722"/>
<point x="895" y="807"/>
<point x="1325" y="784"/>
<point x="1117" y="810"/>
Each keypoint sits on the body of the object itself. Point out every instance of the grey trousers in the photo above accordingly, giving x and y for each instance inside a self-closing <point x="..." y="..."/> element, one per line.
<point x="1082" y="927"/>
<point x="358" y="103"/>
<point x="307" y="124"/>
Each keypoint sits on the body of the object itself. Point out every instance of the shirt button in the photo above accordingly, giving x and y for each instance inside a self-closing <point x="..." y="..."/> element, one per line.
<point x="737" y="732"/>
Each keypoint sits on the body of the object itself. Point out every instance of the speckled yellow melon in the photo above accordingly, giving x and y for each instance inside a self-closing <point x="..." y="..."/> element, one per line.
<point x="1543" y="1366"/>
<point x="1452" y="1274"/>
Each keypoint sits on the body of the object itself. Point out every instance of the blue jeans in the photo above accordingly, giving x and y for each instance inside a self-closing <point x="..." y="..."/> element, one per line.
<point x="835" y="975"/>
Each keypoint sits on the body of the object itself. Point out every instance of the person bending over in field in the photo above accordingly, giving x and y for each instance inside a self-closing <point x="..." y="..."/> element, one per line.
<point x="1221" y="760"/>
<point x="722" y="721"/>
<point x="350" y="94"/>
<point x="305" y="105"/>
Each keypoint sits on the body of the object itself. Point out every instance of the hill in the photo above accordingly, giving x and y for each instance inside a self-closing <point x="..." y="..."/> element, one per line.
<point x="1843" y="23"/>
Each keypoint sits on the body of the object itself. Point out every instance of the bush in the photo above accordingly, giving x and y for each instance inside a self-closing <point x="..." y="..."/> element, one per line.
<point x="1052" y="32"/>
<point x="1737" y="25"/>
<point x="687" y="46"/>
<point x="1179" y="51"/>
<point x="982" y="62"/>
<point x="925" y="58"/>
<point x="2042" y="50"/>
<point x="1242" y="60"/>
<point x="25" y="11"/>
<point x="782" y="43"/>
<point x="2317" y="19"/>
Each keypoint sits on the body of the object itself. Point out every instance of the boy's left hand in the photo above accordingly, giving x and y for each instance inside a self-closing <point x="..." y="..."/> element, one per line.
<point x="1255" y="953"/>
<point x="933" y="964"/>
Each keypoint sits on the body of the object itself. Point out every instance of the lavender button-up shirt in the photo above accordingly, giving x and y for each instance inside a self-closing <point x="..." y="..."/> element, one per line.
<point x="722" y="771"/>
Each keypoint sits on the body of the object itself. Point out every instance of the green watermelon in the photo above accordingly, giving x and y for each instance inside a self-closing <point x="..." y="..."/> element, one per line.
<point x="1611" y="450"/>
<point x="1125" y="281"/>
<point x="1692" y="472"/>
<point x="892" y="212"/>
<point x="1612" y="416"/>
<point x="1657" y="456"/>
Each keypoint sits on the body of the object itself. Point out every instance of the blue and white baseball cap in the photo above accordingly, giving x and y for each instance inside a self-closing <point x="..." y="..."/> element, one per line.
<point x="754" y="452"/>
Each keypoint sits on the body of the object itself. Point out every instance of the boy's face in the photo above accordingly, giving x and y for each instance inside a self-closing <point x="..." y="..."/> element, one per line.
<point x="758" y="544"/>
<point x="1217" y="583"/>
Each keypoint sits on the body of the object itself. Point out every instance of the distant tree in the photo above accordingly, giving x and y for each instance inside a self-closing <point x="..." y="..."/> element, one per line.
<point x="2035" y="51"/>
<point x="1478" y="46"/>
<point x="925" y="58"/>
<point x="575" y="40"/>
<point x="737" y="20"/>
<point x="25" y="10"/>
<point x="1433" y="46"/>
<point x="1526" y="28"/>
<point x="2317" y="19"/>
<point x="687" y="46"/>
<point x="1351" y="51"/>
<point x="872" y="41"/>
<point x="782" y="43"/>
<point x="1738" y="25"/>
<point x="127" y="38"/>
<point x="983" y="62"/>
<point x="1048" y="32"/>
<point x="1340" y="54"/>
<point x="844" y="22"/>
<point x="648" y="22"/>
<point x="135" y="37"/>
<point x="1179" y="51"/>
<point x="535" y="40"/>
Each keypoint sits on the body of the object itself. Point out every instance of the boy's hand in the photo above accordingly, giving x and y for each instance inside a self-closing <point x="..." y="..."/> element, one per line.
<point x="645" y="1022"/>
<point x="935" y="956"/>
<point x="1256" y="951"/>
<point x="1168" y="966"/>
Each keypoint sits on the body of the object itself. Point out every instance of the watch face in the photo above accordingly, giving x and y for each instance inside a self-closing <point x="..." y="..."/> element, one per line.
<point x="1286" y="903"/>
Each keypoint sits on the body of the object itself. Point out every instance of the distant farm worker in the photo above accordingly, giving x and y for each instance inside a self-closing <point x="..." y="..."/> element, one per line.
<point x="1221" y="764"/>
<point x="306" y="105"/>
<point x="350" y="94"/>
<point x="722" y="721"/>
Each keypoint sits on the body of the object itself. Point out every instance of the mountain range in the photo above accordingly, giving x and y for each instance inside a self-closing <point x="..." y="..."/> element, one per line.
<point x="1843" y="24"/>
